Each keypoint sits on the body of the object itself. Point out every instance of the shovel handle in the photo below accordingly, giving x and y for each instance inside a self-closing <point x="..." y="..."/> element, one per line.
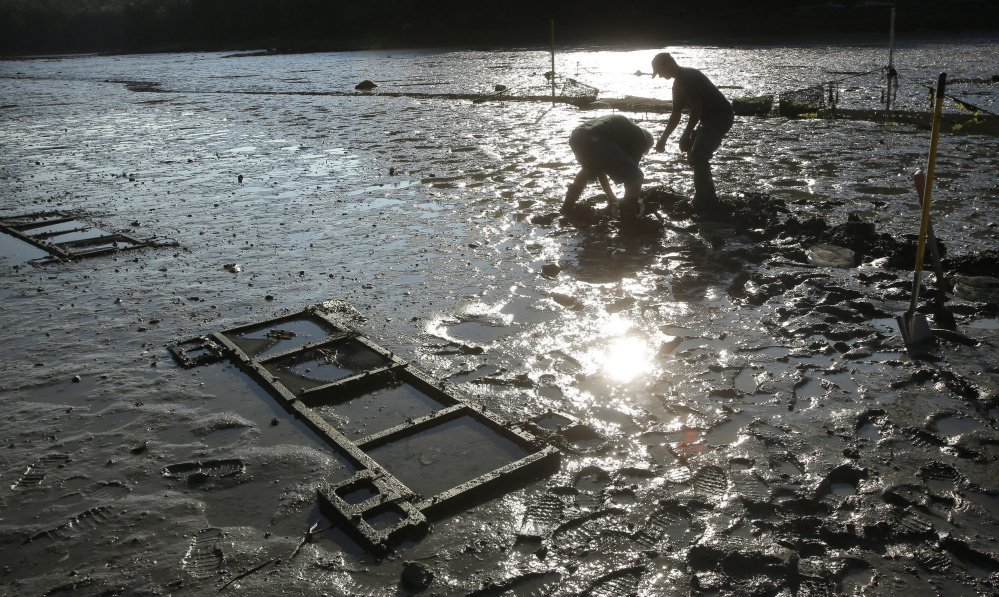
<point x="924" y="223"/>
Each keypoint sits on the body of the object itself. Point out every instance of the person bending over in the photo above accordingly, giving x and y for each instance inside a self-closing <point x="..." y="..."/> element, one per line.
<point x="611" y="146"/>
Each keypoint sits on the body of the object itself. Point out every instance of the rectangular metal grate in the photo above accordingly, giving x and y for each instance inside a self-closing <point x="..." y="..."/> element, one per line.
<point x="68" y="235"/>
<point x="420" y="447"/>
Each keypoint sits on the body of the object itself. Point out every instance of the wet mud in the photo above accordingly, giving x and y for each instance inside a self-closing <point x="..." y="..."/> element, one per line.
<point x="734" y="418"/>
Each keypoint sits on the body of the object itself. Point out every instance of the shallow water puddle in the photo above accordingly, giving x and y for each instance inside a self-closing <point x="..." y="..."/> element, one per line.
<point x="315" y="367"/>
<point x="477" y="332"/>
<point x="68" y="233"/>
<point x="957" y="425"/>
<point x="812" y="388"/>
<point x="375" y="411"/>
<point x="229" y="389"/>
<point x="856" y="580"/>
<point x="524" y="310"/>
<point x="16" y="251"/>
<point x="334" y="363"/>
<point x="727" y="433"/>
<point x="745" y="381"/>
<point x="286" y="335"/>
<point x="842" y="380"/>
<point x="869" y="432"/>
<point x="789" y="469"/>
<point x="447" y="455"/>
<point x="842" y="489"/>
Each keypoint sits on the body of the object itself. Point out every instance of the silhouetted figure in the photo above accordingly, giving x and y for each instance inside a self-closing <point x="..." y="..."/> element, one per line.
<point x="611" y="146"/>
<point x="710" y="119"/>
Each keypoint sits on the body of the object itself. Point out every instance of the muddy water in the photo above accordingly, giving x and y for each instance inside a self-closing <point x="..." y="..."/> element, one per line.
<point x="755" y="424"/>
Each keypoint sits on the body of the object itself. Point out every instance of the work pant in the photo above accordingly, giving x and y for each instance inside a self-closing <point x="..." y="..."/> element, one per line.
<point x="707" y="139"/>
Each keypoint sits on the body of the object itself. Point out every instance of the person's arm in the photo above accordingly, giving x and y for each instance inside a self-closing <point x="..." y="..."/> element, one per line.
<point x="606" y="186"/>
<point x="574" y="191"/>
<point x="687" y="138"/>
<point x="674" y="120"/>
<point x="696" y="109"/>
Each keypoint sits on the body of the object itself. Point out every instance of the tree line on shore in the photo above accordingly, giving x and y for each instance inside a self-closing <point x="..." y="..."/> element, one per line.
<point x="68" y="26"/>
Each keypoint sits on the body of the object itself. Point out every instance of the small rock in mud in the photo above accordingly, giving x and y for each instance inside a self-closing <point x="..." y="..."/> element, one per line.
<point x="567" y="301"/>
<point x="365" y="85"/>
<point x="545" y="219"/>
<point x="551" y="270"/>
<point x="417" y="576"/>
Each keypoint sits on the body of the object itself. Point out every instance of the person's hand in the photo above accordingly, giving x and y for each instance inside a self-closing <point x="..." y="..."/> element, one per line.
<point x="661" y="145"/>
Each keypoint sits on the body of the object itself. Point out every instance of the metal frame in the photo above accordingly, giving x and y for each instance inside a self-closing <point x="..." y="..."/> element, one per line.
<point x="21" y="226"/>
<point x="388" y="492"/>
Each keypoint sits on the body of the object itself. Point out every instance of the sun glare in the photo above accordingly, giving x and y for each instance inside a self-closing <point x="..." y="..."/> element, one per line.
<point x="626" y="358"/>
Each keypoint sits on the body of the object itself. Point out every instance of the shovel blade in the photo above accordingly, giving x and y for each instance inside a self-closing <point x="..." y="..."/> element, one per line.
<point x="914" y="327"/>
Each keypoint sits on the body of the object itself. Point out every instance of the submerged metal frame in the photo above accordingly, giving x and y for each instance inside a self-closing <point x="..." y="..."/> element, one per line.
<point x="20" y="227"/>
<point x="388" y="493"/>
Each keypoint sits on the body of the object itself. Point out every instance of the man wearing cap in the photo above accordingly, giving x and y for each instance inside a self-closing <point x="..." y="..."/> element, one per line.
<point x="611" y="145"/>
<point x="709" y="109"/>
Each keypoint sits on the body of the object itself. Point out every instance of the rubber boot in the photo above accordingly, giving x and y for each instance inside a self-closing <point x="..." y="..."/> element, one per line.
<point x="629" y="215"/>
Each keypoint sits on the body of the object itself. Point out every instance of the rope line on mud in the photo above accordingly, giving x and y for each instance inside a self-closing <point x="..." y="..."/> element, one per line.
<point x="964" y="105"/>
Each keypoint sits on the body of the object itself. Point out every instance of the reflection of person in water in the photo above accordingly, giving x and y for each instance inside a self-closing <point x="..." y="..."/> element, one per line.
<point x="611" y="146"/>
<point x="709" y="109"/>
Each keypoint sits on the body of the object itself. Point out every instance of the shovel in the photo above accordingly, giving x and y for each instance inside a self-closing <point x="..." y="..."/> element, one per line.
<point x="941" y="315"/>
<point x="914" y="326"/>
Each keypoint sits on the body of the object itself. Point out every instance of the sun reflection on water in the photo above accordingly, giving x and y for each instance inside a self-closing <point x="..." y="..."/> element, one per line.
<point x="626" y="358"/>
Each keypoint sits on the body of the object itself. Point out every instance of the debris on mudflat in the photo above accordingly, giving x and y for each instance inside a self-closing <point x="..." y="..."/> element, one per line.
<point x="280" y="334"/>
<point x="417" y="576"/>
<point x="233" y="267"/>
<point x="830" y="256"/>
<point x="72" y="235"/>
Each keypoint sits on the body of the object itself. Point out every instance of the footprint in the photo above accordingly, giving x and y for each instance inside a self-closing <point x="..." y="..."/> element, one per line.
<point x="204" y="556"/>
<point x="78" y="525"/>
<point x="543" y="514"/>
<point x="202" y="470"/>
<point x="711" y="482"/>
<point x="36" y="472"/>
<point x="619" y="582"/>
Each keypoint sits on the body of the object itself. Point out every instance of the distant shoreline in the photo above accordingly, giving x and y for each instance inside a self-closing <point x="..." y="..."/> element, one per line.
<point x="271" y="48"/>
<point x="283" y="29"/>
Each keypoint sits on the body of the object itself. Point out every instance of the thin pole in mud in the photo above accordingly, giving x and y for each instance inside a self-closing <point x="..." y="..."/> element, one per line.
<point x="913" y="326"/>
<point x="924" y="222"/>
<point x="891" y="62"/>
<point x="553" y="63"/>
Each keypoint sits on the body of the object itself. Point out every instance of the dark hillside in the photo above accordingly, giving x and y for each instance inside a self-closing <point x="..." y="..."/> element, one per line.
<point x="66" y="26"/>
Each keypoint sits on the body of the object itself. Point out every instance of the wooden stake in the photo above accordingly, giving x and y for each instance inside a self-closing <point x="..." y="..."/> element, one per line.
<point x="891" y="61"/>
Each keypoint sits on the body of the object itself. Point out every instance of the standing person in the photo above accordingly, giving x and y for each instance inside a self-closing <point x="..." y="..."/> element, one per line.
<point x="709" y="109"/>
<point x="612" y="146"/>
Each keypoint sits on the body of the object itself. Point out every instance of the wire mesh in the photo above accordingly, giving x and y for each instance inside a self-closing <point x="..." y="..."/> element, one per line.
<point x="802" y="101"/>
<point x="572" y="88"/>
